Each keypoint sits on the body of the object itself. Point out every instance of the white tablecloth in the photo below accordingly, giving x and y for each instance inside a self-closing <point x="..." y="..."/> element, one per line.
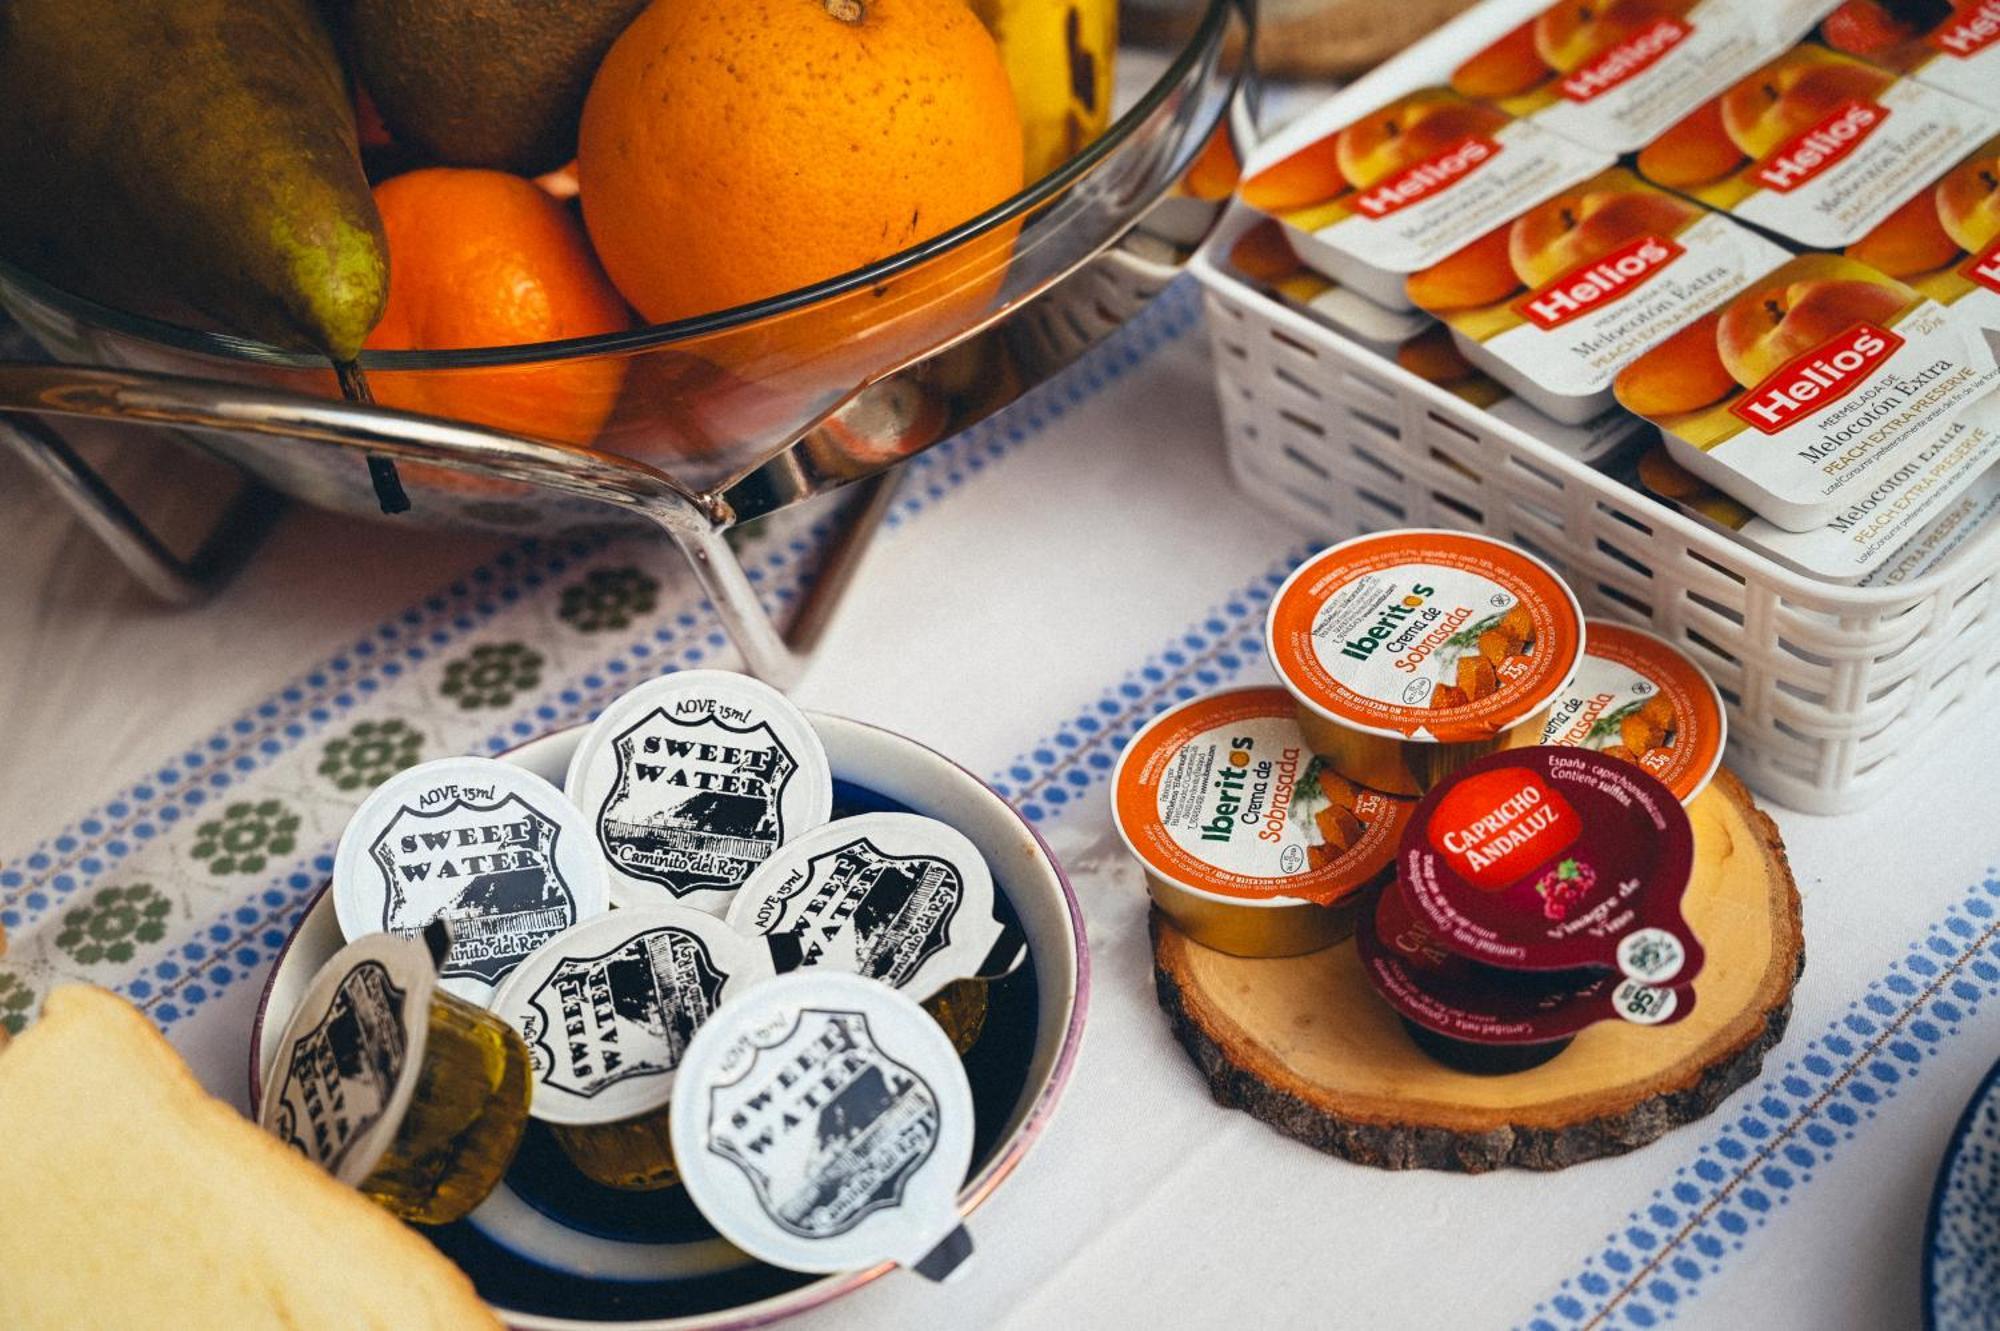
<point x="1050" y="580"/>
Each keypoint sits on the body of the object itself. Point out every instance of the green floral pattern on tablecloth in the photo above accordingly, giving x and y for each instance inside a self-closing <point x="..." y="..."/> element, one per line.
<point x="16" y="1001"/>
<point x="492" y="674"/>
<point x="246" y="837"/>
<point x="608" y="598"/>
<point x="111" y="925"/>
<point x="370" y="753"/>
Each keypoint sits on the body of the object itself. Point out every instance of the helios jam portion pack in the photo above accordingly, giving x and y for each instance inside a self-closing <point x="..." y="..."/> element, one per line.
<point x="1410" y="653"/>
<point x="1551" y="859"/>
<point x="1901" y="529"/>
<point x="1815" y="146"/>
<point x="1416" y="342"/>
<point x="1953" y="46"/>
<point x="1614" y="73"/>
<point x="1557" y="300"/>
<point x="1810" y="388"/>
<point x="1401" y="187"/>
<point x="1945" y="240"/>
<point x="1263" y="257"/>
<point x="1250" y="842"/>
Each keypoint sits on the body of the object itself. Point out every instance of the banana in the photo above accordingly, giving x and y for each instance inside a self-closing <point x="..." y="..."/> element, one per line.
<point x="1059" y="56"/>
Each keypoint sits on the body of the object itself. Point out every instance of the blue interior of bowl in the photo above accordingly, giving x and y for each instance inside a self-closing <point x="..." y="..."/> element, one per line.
<point x="542" y="1177"/>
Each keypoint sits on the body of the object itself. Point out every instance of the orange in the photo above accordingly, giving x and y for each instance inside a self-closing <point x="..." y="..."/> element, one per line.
<point x="732" y="150"/>
<point x="485" y="259"/>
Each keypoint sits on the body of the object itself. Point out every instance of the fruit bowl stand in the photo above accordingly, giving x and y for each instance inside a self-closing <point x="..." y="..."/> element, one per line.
<point x="1099" y="239"/>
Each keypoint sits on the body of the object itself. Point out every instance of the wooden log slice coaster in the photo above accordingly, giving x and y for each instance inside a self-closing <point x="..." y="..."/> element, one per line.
<point x="1305" y="1045"/>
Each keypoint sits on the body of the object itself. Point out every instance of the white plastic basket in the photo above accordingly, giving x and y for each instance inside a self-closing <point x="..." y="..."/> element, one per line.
<point x="1831" y="690"/>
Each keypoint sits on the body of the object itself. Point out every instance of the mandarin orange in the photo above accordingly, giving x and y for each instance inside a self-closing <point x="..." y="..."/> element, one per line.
<point x="486" y="259"/>
<point x="732" y="150"/>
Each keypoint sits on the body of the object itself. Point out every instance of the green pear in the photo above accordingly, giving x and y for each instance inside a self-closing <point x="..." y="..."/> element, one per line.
<point x="190" y="160"/>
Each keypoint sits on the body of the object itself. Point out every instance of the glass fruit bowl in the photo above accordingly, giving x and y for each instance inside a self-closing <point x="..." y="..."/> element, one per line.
<point x="700" y="425"/>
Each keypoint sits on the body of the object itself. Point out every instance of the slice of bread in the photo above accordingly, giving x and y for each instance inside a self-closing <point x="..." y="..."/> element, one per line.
<point x="131" y="1197"/>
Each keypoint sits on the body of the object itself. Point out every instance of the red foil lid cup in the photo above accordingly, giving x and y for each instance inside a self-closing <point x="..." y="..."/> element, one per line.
<point x="1220" y="796"/>
<point x="1463" y="1000"/>
<point x="1639" y="699"/>
<point x="1424" y="634"/>
<point x="1552" y="859"/>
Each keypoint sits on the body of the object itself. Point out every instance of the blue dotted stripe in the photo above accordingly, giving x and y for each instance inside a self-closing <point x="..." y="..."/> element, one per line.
<point x="241" y="942"/>
<point x="1209" y="653"/>
<point x="76" y="857"/>
<point x="1781" y="1134"/>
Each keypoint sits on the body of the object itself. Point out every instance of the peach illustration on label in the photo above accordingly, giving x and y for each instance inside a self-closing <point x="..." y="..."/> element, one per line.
<point x="1510" y="66"/>
<point x="1572" y="230"/>
<point x="1909" y="241"/>
<point x="1968" y="199"/>
<point x="1788" y="98"/>
<point x="1423" y="127"/>
<point x="1806" y="89"/>
<point x="1765" y="329"/>
<point x="1570" y="35"/>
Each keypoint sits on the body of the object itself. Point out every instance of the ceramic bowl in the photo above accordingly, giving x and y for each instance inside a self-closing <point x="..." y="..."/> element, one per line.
<point x="1962" y="1238"/>
<point x="550" y="1249"/>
